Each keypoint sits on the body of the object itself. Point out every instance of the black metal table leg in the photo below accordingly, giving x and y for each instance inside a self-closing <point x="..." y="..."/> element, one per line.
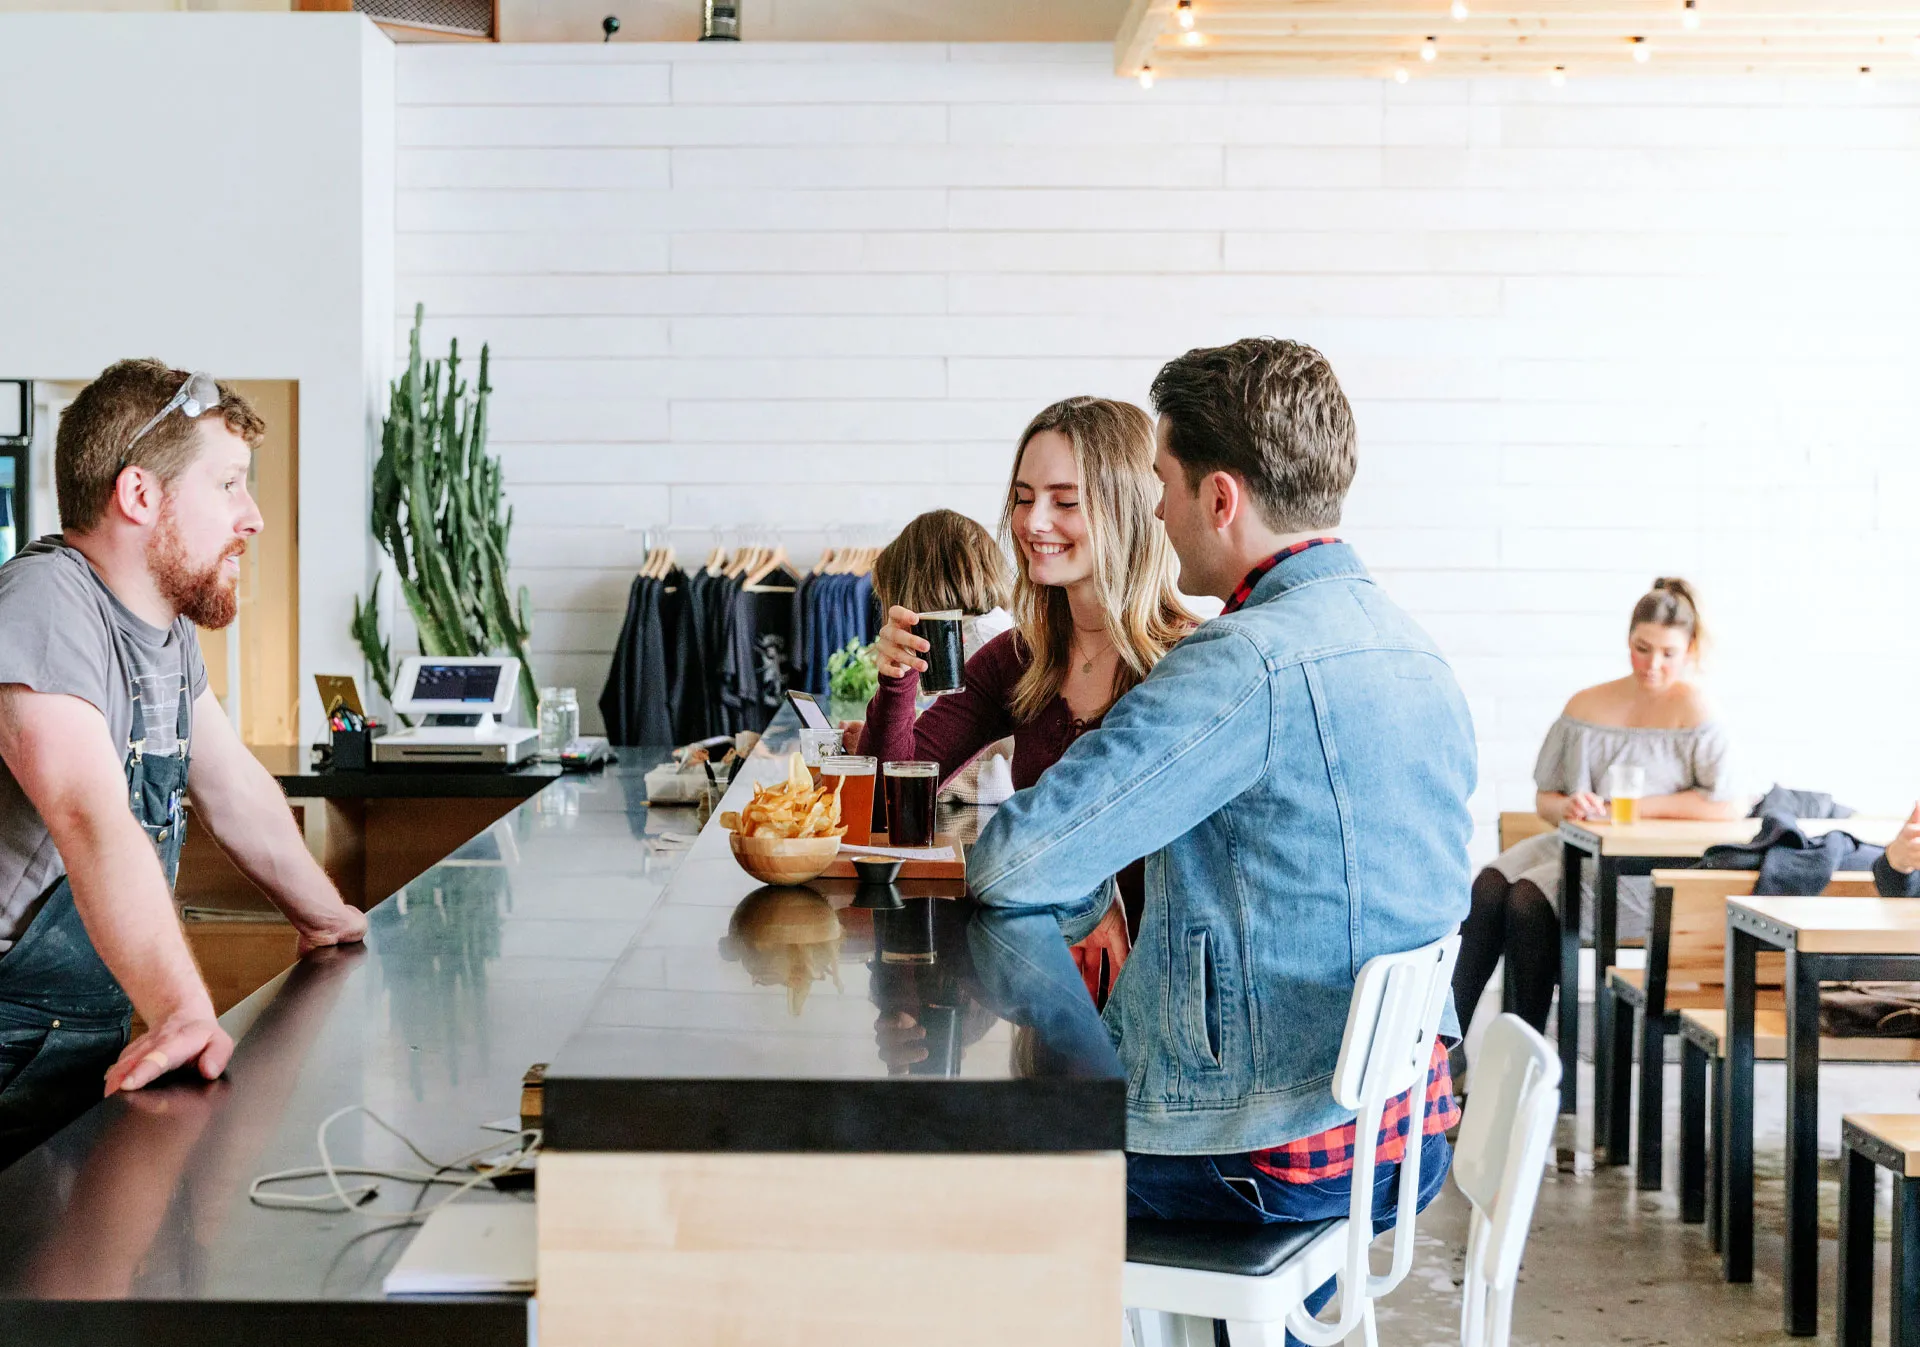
<point x="1693" y="1133"/>
<point x="1606" y="1101"/>
<point x="1653" y="1100"/>
<point x="1853" y="1323"/>
<point x="1802" y="1271"/>
<point x="1570" y="858"/>
<point x="1736" y="1189"/>
<point x="1717" y="1156"/>
<point x="1618" y="1065"/>
<point x="1906" y="1262"/>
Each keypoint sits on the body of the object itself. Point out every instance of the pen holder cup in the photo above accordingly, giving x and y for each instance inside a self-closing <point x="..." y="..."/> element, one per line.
<point x="352" y="750"/>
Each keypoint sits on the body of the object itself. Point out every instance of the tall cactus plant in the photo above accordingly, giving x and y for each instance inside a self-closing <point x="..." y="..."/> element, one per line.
<point x="439" y="513"/>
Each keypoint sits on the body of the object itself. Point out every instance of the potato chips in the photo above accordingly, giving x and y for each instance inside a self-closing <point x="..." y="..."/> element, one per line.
<point x="794" y="808"/>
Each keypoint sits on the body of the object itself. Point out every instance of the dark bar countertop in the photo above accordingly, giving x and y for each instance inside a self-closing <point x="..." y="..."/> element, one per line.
<point x="133" y="1227"/>
<point x="291" y="766"/>
<point x="705" y="1013"/>
<point x="749" y="1017"/>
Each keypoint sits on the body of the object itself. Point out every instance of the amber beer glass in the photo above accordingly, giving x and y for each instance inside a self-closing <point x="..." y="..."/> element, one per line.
<point x="854" y="777"/>
<point x="1625" y="787"/>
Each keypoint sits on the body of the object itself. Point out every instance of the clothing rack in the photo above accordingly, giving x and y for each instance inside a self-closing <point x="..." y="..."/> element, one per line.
<point x="712" y="648"/>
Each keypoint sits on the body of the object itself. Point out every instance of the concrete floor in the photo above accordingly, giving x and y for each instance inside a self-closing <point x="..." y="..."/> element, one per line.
<point x="1608" y="1264"/>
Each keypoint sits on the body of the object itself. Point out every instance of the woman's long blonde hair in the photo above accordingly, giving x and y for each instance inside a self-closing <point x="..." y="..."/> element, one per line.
<point x="1132" y="561"/>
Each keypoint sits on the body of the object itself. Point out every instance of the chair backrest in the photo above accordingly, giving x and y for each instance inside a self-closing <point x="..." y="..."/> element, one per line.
<point x="1498" y="1158"/>
<point x="1690" y="912"/>
<point x="1518" y="825"/>
<point x="1387" y="1049"/>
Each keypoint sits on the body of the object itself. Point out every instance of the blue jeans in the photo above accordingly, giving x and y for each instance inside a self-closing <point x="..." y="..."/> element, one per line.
<point x="1196" y="1188"/>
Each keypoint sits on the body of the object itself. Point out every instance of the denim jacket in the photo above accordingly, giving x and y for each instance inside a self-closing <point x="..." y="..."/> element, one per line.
<point x="1296" y="774"/>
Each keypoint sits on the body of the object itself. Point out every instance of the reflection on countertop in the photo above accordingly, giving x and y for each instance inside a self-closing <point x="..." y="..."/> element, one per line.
<point x="473" y="972"/>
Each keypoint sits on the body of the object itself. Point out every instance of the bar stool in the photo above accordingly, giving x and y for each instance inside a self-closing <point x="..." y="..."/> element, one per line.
<point x="1182" y="1275"/>
<point x="1499" y="1157"/>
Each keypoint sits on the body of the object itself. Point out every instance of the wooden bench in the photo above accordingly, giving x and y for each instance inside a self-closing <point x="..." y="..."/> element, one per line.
<point x="1870" y="1141"/>
<point x="1703" y="1043"/>
<point x="1685" y="969"/>
<point x="1518" y="825"/>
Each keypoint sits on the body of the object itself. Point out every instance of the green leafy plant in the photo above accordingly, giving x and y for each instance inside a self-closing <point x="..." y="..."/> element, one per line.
<point x="852" y="675"/>
<point x="439" y="512"/>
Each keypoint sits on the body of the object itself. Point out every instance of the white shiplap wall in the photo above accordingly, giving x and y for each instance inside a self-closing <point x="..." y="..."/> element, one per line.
<point x="1592" y="333"/>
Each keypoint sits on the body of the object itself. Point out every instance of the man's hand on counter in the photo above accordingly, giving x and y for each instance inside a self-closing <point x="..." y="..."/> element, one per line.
<point x="191" y="1037"/>
<point x="348" y="926"/>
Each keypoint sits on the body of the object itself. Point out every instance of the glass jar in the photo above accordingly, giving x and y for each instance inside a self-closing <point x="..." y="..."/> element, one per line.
<point x="559" y="720"/>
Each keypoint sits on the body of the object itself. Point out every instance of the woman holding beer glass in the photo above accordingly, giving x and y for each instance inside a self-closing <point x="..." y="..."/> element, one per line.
<point x="1643" y="746"/>
<point x="1095" y="608"/>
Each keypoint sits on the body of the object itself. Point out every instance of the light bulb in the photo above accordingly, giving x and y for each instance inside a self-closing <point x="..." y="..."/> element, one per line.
<point x="1400" y="75"/>
<point x="1866" y="74"/>
<point x="1429" y="50"/>
<point x="1690" y="16"/>
<point x="1185" y="11"/>
<point x="1192" y="39"/>
<point x="1460" y="11"/>
<point x="1557" y="76"/>
<point x="1641" y="51"/>
<point x="1146" y="77"/>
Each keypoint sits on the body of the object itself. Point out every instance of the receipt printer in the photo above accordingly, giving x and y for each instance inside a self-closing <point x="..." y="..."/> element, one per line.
<point x="462" y="698"/>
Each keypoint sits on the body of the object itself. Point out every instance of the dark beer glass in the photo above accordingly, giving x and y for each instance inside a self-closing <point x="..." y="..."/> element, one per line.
<point x="910" y="791"/>
<point x="946" y="661"/>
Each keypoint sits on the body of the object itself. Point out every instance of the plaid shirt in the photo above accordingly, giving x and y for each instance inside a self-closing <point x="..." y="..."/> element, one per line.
<point x="1245" y="591"/>
<point x="1329" y="1155"/>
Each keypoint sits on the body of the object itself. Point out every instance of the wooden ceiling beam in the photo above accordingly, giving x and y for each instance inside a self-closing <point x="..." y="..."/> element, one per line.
<point x="1372" y="37"/>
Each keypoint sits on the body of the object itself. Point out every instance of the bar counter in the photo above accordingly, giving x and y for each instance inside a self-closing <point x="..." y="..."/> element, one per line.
<point x="133" y="1225"/>
<point x="771" y="1115"/>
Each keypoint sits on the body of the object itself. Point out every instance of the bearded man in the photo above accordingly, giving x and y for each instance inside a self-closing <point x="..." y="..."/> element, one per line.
<point x="102" y="694"/>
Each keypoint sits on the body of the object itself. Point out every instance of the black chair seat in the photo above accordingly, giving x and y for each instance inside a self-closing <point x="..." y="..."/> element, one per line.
<point x="1221" y="1246"/>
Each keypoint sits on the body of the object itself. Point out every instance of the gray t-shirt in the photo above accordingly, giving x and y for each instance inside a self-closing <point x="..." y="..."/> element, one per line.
<point x="63" y="631"/>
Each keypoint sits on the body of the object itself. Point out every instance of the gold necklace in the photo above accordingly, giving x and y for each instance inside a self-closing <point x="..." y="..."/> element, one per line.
<point x="1087" y="666"/>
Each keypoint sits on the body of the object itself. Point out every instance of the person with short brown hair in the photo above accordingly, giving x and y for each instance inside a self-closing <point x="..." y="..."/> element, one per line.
<point x="102" y="694"/>
<point x="943" y="561"/>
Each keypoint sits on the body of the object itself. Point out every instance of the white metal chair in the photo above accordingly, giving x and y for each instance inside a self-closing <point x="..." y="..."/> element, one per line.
<point x="1182" y="1275"/>
<point x="1499" y="1155"/>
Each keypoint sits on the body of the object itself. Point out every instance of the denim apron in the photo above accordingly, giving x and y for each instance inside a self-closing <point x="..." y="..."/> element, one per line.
<point x="63" y="1017"/>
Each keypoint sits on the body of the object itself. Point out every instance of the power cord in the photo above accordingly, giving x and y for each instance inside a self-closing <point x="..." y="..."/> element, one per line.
<point x="353" y="1200"/>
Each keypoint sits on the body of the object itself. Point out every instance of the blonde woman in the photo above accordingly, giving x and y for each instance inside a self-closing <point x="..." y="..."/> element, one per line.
<point x="1094" y="609"/>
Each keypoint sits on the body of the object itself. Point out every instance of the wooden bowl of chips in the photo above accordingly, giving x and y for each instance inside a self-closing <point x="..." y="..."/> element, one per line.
<point x="787" y="833"/>
<point x="785" y="860"/>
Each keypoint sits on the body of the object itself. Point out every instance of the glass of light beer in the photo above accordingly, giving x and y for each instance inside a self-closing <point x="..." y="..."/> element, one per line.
<point x="1625" y="787"/>
<point x="854" y="778"/>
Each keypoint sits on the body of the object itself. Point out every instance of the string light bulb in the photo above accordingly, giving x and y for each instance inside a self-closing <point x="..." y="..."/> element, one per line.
<point x="1400" y="75"/>
<point x="1429" y="50"/>
<point x="1146" y="77"/>
<point x="1557" y="76"/>
<point x="1185" y="12"/>
<point x="1690" y="15"/>
<point x="1641" y="51"/>
<point x="1460" y="11"/>
<point x="1192" y="38"/>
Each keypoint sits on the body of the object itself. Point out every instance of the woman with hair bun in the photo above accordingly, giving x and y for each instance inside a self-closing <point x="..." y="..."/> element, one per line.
<point x="1655" y="718"/>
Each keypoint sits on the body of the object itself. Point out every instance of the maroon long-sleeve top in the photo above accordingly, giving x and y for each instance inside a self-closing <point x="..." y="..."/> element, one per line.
<point x="959" y="726"/>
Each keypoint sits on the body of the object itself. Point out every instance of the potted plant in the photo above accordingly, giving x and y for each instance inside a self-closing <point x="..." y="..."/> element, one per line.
<point x="439" y="513"/>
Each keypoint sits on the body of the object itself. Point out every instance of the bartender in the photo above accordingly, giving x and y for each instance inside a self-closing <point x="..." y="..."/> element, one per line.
<point x="106" y="726"/>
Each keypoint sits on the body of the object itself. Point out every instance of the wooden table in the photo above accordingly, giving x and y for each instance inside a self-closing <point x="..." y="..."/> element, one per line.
<point x="1825" y="940"/>
<point x="1636" y="849"/>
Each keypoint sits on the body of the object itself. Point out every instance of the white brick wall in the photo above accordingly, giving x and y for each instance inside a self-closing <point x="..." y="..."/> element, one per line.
<point x="1592" y="333"/>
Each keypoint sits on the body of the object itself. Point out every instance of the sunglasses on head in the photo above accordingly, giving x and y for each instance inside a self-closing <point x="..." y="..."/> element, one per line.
<point x="197" y="395"/>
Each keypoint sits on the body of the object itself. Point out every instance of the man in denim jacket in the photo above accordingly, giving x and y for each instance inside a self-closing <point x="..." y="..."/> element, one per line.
<point x="1296" y="773"/>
